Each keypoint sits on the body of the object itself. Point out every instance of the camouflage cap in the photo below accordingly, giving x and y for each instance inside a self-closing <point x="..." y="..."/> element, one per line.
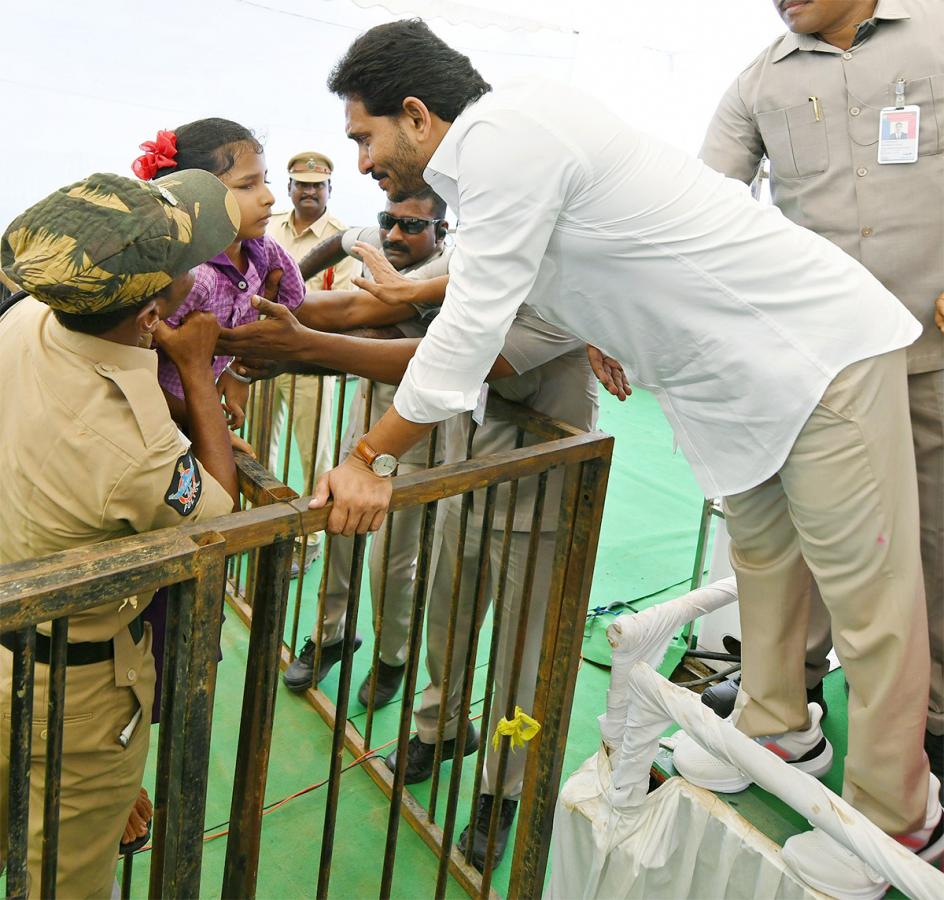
<point x="107" y="241"/>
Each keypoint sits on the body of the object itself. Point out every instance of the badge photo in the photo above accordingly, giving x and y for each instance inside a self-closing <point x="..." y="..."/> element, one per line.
<point x="898" y="134"/>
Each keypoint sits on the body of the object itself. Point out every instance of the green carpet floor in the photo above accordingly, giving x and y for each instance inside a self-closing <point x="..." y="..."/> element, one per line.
<point x="645" y="556"/>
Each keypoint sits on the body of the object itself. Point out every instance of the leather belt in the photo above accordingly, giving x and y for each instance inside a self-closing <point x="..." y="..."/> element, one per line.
<point x="82" y="653"/>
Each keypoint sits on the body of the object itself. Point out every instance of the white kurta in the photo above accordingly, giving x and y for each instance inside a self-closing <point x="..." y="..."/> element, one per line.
<point x="734" y="317"/>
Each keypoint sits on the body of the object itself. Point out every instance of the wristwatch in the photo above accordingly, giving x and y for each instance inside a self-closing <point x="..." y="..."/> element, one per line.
<point x="382" y="464"/>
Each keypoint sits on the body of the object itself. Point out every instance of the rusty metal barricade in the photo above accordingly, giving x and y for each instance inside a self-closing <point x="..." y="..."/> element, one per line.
<point x="248" y="555"/>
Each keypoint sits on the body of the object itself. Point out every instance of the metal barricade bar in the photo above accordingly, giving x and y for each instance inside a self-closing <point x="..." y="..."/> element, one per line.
<point x="194" y="561"/>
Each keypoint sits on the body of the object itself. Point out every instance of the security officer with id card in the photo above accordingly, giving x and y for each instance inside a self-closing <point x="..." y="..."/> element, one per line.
<point x="89" y="453"/>
<point x="848" y="106"/>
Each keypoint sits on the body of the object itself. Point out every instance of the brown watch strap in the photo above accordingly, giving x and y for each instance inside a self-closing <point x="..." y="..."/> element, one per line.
<point x="367" y="453"/>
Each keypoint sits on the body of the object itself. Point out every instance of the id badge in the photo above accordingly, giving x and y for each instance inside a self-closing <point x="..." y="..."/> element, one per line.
<point x="898" y="134"/>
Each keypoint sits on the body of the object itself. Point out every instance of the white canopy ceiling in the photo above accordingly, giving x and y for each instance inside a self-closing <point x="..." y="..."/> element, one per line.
<point x="84" y="83"/>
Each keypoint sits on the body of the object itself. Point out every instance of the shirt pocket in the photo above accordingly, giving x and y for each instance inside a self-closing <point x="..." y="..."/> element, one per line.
<point x="795" y="141"/>
<point x="927" y="93"/>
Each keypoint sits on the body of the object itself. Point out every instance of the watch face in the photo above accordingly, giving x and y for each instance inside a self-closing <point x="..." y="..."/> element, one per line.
<point x="384" y="464"/>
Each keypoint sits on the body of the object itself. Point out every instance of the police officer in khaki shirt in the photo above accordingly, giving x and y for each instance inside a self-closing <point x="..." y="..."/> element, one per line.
<point x="90" y="453"/>
<point x="418" y="253"/>
<point x="300" y="230"/>
<point x="813" y="103"/>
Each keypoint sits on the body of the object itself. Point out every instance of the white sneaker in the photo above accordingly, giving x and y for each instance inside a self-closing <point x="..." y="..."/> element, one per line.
<point x="826" y="865"/>
<point x="808" y="751"/>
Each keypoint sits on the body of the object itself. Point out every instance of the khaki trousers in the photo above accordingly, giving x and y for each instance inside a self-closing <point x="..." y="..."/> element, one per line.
<point x="437" y="631"/>
<point x="401" y="576"/>
<point x="304" y="415"/>
<point x="843" y="509"/>
<point x="926" y="402"/>
<point x="100" y="778"/>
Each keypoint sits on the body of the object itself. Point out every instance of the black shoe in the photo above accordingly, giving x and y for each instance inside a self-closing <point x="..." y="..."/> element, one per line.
<point x="419" y="756"/>
<point x="934" y="747"/>
<point x="721" y="697"/>
<point x="483" y="816"/>
<point x="388" y="683"/>
<point x="298" y="676"/>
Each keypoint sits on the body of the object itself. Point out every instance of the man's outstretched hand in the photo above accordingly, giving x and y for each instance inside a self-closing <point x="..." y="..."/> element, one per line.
<point x="609" y="373"/>
<point x="361" y="498"/>
<point x="388" y="285"/>
<point x="939" y="313"/>
<point x="278" y="336"/>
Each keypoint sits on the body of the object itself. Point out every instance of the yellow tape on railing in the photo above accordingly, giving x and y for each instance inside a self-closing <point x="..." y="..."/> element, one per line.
<point x="520" y="729"/>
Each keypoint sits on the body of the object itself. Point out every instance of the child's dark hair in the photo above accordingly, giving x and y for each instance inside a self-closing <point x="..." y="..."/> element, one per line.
<point x="210" y="144"/>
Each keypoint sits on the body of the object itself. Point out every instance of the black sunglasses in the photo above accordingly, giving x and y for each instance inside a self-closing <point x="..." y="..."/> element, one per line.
<point x="408" y="224"/>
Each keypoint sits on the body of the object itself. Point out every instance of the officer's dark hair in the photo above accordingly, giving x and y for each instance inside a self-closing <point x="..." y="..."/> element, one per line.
<point x="211" y="145"/>
<point x="98" y="323"/>
<point x="436" y="203"/>
<point x="405" y="59"/>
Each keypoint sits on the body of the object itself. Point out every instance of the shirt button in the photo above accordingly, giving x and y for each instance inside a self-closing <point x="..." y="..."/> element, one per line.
<point x="132" y="675"/>
<point x="242" y="285"/>
<point x="866" y="232"/>
<point x="44" y="734"/>
<point x="862" y="171"/>
<point x="854" y="111"/>
<point x="847" y="55"/>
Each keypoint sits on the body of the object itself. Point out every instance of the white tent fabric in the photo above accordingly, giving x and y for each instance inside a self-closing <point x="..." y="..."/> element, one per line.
<point x="681" y="842"/>
<point x="613" y="839"/>
<point x="84" y="83"/>
<point x="645" y="636"/>
<point x="554" y="14"/>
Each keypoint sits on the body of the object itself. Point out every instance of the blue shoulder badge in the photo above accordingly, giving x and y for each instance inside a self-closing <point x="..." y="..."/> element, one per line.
<point x="185" y="485"/>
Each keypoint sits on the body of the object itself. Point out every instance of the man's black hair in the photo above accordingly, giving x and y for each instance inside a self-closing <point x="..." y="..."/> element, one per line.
<point x="436" y="203"/>
<point x="98" y="323"/>
<point x="404" y="59"/>
<point x="211" y="145"/>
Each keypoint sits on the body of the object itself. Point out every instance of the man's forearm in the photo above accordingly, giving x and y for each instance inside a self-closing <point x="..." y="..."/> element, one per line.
<point x="431" y="290"/>
<point x="395" y="435"/>
<point x="344" y="310"/>
<point x="383" y="361"/>
<point x="328" y="253"/>
<point x="207" y="428"/>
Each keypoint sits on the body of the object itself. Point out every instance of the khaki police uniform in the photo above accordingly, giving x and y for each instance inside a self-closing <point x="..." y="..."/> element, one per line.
<point x="813" y="110"/>
<point x="404" y="540"/>
<point x="336" y="278"/>
<point x="89" y="453"/>
<point x="555" y="379"/>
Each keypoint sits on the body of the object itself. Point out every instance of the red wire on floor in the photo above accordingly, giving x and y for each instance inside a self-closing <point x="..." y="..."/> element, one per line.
<point x="277" y="804"/>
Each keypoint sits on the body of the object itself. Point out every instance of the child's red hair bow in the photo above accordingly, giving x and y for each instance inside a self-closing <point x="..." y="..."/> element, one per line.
<point x="158" y="154"/>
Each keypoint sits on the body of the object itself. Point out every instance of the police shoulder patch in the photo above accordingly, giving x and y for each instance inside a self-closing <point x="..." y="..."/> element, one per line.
<point x="185" y="485"/>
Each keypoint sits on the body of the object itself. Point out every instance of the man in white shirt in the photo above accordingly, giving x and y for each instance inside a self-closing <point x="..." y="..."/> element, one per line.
<point x="778" y="360"/>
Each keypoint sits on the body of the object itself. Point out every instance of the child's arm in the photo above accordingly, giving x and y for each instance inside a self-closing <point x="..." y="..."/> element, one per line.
<point x="177" y="407"/>
<point x="234" y="395"/>
<point x="291" y="287"/>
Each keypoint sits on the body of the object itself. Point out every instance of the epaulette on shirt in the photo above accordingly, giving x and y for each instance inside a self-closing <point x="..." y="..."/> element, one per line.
<point x="144" y="398"/>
